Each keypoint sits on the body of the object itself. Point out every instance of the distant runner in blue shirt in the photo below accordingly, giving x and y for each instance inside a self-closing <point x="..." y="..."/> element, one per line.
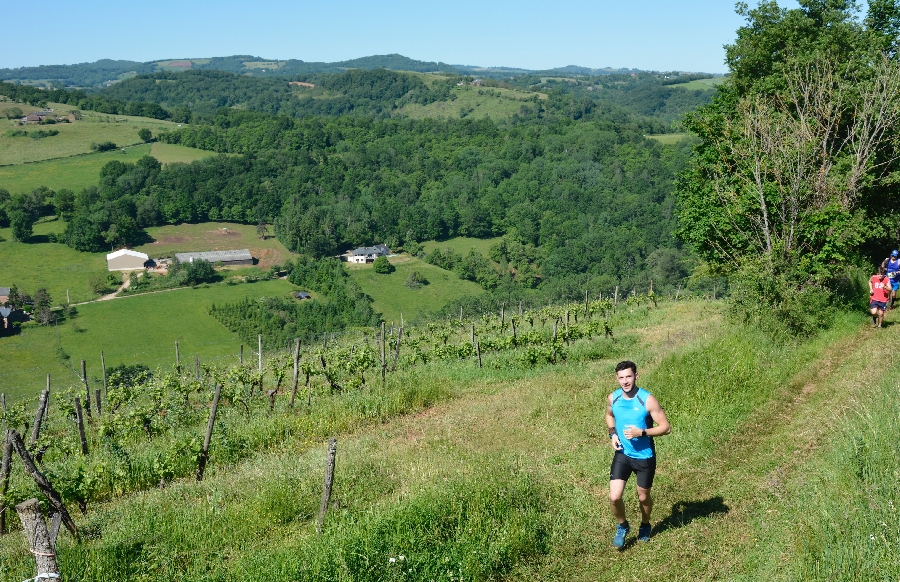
<point x="892" y="268"/>
<point x="631" y="413"/>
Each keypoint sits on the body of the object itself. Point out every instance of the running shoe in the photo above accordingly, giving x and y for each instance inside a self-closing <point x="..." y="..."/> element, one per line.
<point x="644" y="533"/>
<point x="621" y="532"/>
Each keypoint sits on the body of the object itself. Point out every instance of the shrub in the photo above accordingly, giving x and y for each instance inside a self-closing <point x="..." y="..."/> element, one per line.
<point x="383" y="266"/>
<point x="416" y="280"/>
<point x="104" y="146"/>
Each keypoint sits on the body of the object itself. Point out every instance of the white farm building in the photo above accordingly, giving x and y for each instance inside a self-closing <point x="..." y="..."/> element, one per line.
<point x="364" y="255"/>
<point x="126" y="260"/>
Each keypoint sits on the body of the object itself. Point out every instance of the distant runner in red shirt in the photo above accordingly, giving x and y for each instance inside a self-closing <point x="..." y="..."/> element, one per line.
<point x="879" y="293"/>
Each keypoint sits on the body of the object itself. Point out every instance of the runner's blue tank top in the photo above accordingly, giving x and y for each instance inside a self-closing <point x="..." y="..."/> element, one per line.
<point x="633" y="412"/>
<point x="893" y="267"/>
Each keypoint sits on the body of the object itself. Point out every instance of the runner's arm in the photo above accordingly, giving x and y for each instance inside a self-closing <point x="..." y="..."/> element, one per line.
<point x="611" y="426"/>
<point x="659" y="417"/>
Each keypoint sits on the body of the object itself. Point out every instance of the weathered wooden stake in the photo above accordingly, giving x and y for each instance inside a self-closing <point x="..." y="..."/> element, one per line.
<point x="383" y="362"/>
<point x="478" y="352"/>
<point x="197" y="367"/>
<point x="521" y="313"/>
<point x="503" y="315"/>
<point x="87" y="389"/>
<point x="324" y="340"/>
<point x="39" y="417"/>
<point x="47" y="407"/>
<point x="329" y="483"/>
<point x="616" y="299"/>
<point x="651" y="285"/>
<point x="242" y="355"/>
<point x="585" y="303"/>
<point x="259" y="355"/>
<point x="43" y="484"/>
<point x="460" y="313"/>
<point x="40" y="544"/>
<point x="204" y="453"/>
<point x="513" y="324"/>
<point x="677" y="291"/>
<point x="80" y="418"/>
<point x="177" y="355"/>
<point x="296" y="371"/>
<point x="4" y="475"/>
<point x="308" y="390"/>
<point x="473" y="333"/>
<point x="271" y="395"/>
<point x="97" y="400"/>
<point x="103" y="365"/>
<point x="397" y="351"/>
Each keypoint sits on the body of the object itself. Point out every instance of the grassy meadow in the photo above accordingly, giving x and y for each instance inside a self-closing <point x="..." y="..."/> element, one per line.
<point x="461" y="245"/>
<point x="135" y="329"/>
<point x="391" y="296"/>
<point x="454" y="472"/>
<point x="54" y="266"/>
<point x="701" y="84"/>
<point x="493" y="102"/>
<point x="74" y="138"/>
<point x="669" y="138"/>
<point x="74" y="173"/>
<point x="78" y="172"/>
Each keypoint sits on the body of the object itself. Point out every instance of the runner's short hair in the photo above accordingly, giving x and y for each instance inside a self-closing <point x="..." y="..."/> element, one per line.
<point x="881" y="270"/>
<point x="625" y="365"/>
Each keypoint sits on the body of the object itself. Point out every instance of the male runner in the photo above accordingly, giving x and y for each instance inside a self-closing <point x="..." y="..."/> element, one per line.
<point x="630" y="415"/>
<point x="879" y="292"/>
<point x="891" y="266"/>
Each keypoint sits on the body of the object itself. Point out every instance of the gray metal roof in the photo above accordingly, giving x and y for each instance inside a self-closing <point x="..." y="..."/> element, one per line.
<point x="215" y="256"/>
<point x="4" y="291"/>
<point x="5" y="311"/>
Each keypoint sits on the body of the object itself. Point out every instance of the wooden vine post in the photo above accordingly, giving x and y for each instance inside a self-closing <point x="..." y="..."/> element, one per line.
<point x="39" y="417"/>
<point x="478" y="352"/>
<point x="97" y="400"/>
<point x="259" y="353"/>
<point x="383" y="361"/>
<point x="397" y="351"/>
<point x="103" y="365"/>
<point x="80" y="418"/>
<point x="616" y="299"/>
<point x="87" y="389"/>
<point x="40" y="543"/>
<point x="241" y="357"/>
<point x="43" y="484"/>
<point x="329" y="483"/>
<point x="47" y="407"/>
<point x="177" y="355"/>
<point x="197" y="367"/>
<point x="4" y="470"/>
<point x="296" y="370"/>
<point x="204" y="453"/>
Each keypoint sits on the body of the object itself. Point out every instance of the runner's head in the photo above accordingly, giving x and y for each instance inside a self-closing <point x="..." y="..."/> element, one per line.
<point x="895" y="253"/>
<point x="881" y="271"/>
<point x="626" y="374"/>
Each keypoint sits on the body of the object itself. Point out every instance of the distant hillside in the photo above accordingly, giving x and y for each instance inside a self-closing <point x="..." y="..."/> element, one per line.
<point x="106" y="71"/>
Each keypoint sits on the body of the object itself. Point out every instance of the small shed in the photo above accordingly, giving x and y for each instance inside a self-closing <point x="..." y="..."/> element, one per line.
<point x="126" y="260"/>
<point x="302" y="295"/>
<point x="227" y="258"/>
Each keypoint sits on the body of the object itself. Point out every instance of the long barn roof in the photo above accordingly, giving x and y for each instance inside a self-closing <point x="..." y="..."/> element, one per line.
<point x="215" y="256"/>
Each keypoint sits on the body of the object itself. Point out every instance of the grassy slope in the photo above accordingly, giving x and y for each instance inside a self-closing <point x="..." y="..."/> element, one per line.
<point x="478" y="106"/>
<point x="392" y="297"/>
<point x="74" y="138"/>
<point x="74" y="173"/>
<point x="701" y="84"/>
<point x="139" y="329"/>
<point x="169" y="153"/>
<point x="51" y="265"/>
<point x="461" y="245"/>
<point x="669" y="138"/>
<point x="748" y="417"/>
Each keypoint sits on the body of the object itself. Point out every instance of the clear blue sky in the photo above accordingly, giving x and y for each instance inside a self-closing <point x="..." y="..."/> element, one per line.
<point x="682" y="35"/>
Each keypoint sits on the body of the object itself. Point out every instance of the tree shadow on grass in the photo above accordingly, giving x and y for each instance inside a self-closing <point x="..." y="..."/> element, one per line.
<point x="684" y="512"/>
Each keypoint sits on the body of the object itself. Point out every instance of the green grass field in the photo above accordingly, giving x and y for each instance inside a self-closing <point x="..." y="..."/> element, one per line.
<point x="74" y="173"/>
<point x="702" y="84"/>
<point x="503" y="104"/>
<point x="461" y="245"/>
<point x="51" y="265"/>
<point x="137" y="329"/>
<point x="168" y="153"/>
<point x="392" y="297"/>
<point x="669" y="138"/>
<point x="78" y="172"/>
<point x="214" y="236"/>
<point x="74" y="138"/>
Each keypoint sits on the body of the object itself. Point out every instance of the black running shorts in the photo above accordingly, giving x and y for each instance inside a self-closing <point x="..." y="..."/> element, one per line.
<point x="623" y="466"/>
